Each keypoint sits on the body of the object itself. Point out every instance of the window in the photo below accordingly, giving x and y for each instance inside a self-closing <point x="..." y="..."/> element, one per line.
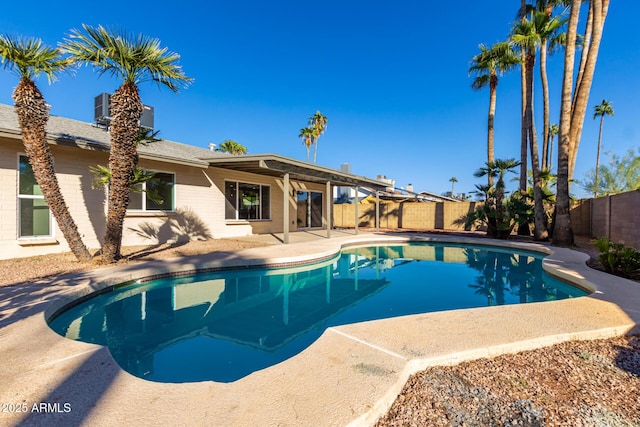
<point x="34" y="216"/>
<point x="162" y="186"/>
<point x="247" y="201"/>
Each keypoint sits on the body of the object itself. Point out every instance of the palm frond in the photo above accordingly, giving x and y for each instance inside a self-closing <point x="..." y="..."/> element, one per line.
<point x="30" y="57"/>
<point x="134" y="59"/>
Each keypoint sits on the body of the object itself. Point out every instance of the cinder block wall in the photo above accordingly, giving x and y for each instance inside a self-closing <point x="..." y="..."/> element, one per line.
<point x="581" y="217"/>
<point x="600" y="209"/>
<point x="616" y="217"/>
<point x="416" y="216"/>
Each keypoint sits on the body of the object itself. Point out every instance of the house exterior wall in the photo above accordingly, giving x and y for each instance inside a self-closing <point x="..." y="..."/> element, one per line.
<point x="84" y="203"/>
<point x="198" y="194"/>
<point x="224" y="228"/>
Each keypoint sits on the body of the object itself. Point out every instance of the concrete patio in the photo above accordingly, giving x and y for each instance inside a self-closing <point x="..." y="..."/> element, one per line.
<point x="349" y="376"/>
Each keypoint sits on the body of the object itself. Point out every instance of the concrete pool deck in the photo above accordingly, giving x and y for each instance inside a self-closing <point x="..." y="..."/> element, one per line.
<point x="349" y="376"/>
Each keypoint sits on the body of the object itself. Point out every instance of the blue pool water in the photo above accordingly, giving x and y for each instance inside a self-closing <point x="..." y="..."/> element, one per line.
<point x="223" y="326"/>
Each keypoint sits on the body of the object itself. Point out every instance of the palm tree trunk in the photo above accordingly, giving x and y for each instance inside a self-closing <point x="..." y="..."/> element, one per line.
<point x="562" y="231"/>
<point x="33" y="115"/>
<point x="126" y="109"/>
<point x="523" y="128"/>
<point x="599" y="10"/>
<point x="550" y="154"/>
<point x="540" y="232"/>
<point x="315" y="149"/>
<point x="586" y="42"/>
<point x="545" y="102"/>
<point x="523" y="106"/>
<point x="595" y="182"/>
<point x="490" y="124"/>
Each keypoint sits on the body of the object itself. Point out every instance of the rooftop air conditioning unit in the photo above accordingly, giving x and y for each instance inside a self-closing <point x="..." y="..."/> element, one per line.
<point x="102" y="114"/>
<point x="146" y="120"/>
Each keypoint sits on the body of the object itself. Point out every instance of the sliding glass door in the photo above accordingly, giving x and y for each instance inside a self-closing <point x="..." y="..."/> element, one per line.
<point x="309" y="209"/>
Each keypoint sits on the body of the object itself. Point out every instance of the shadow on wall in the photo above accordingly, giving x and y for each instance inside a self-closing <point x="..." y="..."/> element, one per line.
<point x="181" y="227"/>
<point x="94" y="200"/>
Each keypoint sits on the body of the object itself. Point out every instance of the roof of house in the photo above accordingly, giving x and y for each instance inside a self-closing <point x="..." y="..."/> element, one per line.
<point x="69" y="132"/>
<point x="63" y="131"/>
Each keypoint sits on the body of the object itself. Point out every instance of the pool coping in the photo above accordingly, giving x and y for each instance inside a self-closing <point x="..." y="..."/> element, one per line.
<point x="349" y="376"/>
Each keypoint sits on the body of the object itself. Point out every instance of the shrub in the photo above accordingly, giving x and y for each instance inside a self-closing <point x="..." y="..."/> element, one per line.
<point x="618" y="259"/>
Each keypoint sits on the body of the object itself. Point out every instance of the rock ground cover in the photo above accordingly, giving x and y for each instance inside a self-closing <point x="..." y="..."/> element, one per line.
<point x="578" y="383"/>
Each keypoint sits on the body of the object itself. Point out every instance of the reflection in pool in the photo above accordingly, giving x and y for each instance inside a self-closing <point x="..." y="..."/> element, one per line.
<point x="223" y="326"/>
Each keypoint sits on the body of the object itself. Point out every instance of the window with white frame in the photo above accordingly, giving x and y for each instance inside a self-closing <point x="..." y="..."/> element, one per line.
<point x="156" y="194"/>
<point x="247" y="201"/>
<point x="34" y="216"/>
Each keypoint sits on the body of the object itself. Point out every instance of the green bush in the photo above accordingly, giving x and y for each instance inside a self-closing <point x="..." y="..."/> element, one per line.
<point x="618" y="259"/>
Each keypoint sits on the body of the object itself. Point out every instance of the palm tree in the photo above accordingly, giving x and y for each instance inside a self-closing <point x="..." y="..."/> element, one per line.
<point x="553" y="131"/>
<point x="548" y="28"/>
<point x="452" y="180"/>
<point x="487" y="66"/>
<point x="562" y="231"/>
<point x="522" y="11"/>
<point x="29" y="58"/>
<point x="597" y="14"/>
<point x="498" y="168"/>
<point x="232" y="147"/>
<point x="307" y="138"/>
<point x="134" y="60"/>
<point x="603" y="109"/>
<point x="319" y="123"/>
<point x="527" y="36"/>
<point x="573" y="107"/>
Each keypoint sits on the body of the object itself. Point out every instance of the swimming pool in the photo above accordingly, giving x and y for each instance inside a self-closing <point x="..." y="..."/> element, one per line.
<point x="225" y="325"/>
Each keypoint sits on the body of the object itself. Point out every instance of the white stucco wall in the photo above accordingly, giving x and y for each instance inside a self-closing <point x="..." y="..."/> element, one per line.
<point x="199" y="201"/>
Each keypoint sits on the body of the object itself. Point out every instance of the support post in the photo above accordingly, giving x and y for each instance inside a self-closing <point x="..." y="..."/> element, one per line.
<point x="355" y="200"/>
<point x="285" y="210"/>
<point x="377" y="210"/>
<point x="329" y="204"/>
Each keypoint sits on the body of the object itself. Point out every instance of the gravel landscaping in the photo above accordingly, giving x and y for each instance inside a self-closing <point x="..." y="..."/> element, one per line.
<point x="579" y="383"/>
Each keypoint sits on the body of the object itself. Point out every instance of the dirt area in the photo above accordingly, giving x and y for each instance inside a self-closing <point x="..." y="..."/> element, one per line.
<point x="20" y="270"/>
<point x="578" y="383"/>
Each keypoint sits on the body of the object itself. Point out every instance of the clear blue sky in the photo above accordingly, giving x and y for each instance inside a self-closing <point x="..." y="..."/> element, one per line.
<point x="390" y="76"/>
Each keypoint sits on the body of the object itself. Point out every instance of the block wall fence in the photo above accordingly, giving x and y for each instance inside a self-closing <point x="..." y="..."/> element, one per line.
<point x="616" y="217"/>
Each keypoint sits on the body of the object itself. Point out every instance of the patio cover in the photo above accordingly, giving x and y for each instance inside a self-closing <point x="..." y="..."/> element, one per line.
<point x="287" y="168"/>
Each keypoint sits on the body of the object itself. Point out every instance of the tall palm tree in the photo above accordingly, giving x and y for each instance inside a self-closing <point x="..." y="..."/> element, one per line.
<point x="232" y="147"/>
<point x="548" y="27"/>
<point x="452" y="180"/>
<point x="562" y="231"/>
<point x="522" y="12"/>
<point x="133" y="60"/>
<point x="307" y="138"/>
<point x="487" y="66"/>
<point x="29" y="58"/>
<point x="597" y="14"/>
<point x="526" y="35"/>
<point x="553" y="131"/>
<point x="319" y="123"/>
<point x="603" y="109"/>
<point x="573" y="107"/>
